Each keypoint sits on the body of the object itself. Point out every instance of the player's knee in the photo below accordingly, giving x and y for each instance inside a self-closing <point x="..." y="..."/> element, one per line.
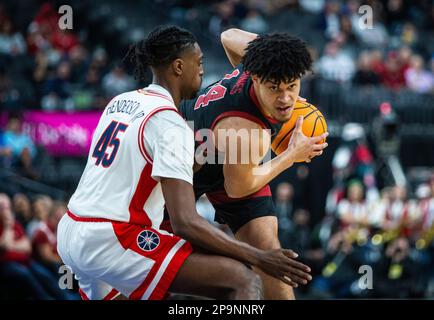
<point x="248" y="284"/>
<point x="271" y="243"/>
<point x="261" y="233"/>
<point x="265" y="242"/>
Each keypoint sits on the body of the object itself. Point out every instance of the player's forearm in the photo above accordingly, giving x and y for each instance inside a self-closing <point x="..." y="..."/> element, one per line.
<point x="201" y="233"/>
<point x="256" y="177"/>
<point x="189" y="225"/>
<point x="235" y="42"/>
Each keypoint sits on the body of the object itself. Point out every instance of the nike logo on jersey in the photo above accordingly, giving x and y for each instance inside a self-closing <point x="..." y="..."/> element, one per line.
<point x="137" y="116"/>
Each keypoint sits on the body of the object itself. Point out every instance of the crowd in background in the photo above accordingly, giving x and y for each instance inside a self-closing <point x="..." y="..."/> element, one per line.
<point x="42" y="66"/>
<point x="392" y="233"/>
<point x="391" y="52"/>
<point x="29" y="262"/>
<point x="55" y="67"/>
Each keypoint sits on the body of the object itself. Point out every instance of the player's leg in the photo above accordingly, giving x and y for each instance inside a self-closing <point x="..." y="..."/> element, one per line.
<point x="262" y="233"/>
<point x="216" y="277"/>
<point x="252" y="221"/>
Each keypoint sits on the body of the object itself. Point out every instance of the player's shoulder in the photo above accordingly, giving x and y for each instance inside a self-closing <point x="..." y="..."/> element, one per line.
<point x="146" y="97"/>
<point x="154" y="97"/>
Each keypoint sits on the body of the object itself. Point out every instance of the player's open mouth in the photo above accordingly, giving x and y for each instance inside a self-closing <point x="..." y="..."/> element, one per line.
<point x="284" y="110"/>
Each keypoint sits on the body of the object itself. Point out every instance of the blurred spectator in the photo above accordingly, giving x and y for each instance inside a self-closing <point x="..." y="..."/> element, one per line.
<point x="89" y="93"/>
<point x="409" y="35"/>
<point x="376" y="30"/>
<point x="397" y="209"/>
<point x="222" y="18"/>
<point x="42" y="206"/>
<point x="44" y="239"/>
<point x="417" y="78"/>
<point x="352" y="11"/>
<point x="352" y="210"/>
<point x="58" y="89"/>
<point x="377" y="209"/>
<point x="64" y="40"/>
<point x="312" y="6"/>
<point x="47" y="16"/>
<point x="116" y="82"/>
<point x="300" y="231"/>
<point x="431" y="183"/>
<point x="284" y="208"/>
<point x="254" y="22"/>
<point x="41" y="66"/>
<point x="79" y="64"/>
<point x="375" y="37"/>
<point x="352" y="160"/>
<point x="425" y="207"/>
<point x="377" y="61"/>
<point x="5" y="152"/>
<point x="365" y="75"/>
<point x="329" y="19"/>
<point x="17" y="270"/>
<point x="41" y="29"/>
<point x="22" y="147"/>
<point x="396" y="13"/>
<point x="405" y="54"/>
<point x="22" y="209"/>
<point x="398" y="249"/>
<point x="431" y="65"/>
<point x="346" y="32"/>
<point x="38" y="38"/>
<point x="392" y="75"/>
<point x="335" y="64"/>
<point x="100" y="61"/>
<point x="9" y="93"/>
<point x="429" y="18"/>
<point x="11" y="43"/>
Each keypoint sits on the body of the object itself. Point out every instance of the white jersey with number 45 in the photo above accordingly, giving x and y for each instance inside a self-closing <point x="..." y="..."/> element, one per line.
<point x="140" y="137"/>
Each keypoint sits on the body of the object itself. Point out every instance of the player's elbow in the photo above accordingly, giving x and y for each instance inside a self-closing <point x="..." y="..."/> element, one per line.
<point x="185" y="229"/>
<point x="181" y="229"/>
<point x="227" y="35"/>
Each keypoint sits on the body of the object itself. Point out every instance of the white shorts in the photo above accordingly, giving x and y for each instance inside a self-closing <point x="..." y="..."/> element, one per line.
<point x="110" y="258"/>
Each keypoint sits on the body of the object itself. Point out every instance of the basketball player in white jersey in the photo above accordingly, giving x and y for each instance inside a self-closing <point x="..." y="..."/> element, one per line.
<point x="141" y="158"/>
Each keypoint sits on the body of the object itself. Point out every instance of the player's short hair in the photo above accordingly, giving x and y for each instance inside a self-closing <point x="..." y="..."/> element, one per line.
<point x="277" y="57"/>
<point x="163" y="45"/>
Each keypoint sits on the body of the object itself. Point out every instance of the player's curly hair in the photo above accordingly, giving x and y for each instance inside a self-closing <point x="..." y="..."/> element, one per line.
<point x="277" y="57"/>
<point x="163" y="45"/>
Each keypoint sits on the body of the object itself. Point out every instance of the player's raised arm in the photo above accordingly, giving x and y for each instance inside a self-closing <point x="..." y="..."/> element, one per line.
<point x="235" y="42"/>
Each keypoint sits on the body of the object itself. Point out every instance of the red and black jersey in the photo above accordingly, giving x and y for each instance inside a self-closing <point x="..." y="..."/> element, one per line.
<point x="232" y="96"/>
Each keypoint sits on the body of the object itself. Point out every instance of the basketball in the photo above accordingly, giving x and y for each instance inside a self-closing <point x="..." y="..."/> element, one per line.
<point x="314" y="124"/>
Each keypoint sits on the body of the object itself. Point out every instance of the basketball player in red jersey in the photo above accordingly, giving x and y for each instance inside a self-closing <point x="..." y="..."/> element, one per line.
<point x="257" y="96"/>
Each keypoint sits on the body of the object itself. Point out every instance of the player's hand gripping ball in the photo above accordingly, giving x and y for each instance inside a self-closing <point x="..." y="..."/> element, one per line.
<point x="314" y="125"/>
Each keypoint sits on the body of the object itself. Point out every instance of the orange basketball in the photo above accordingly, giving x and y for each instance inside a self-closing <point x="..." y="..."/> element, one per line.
<point x="314" y="125"/>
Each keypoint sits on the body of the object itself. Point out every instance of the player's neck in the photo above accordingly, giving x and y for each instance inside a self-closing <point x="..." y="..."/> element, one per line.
<point x="173" y="89"/>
